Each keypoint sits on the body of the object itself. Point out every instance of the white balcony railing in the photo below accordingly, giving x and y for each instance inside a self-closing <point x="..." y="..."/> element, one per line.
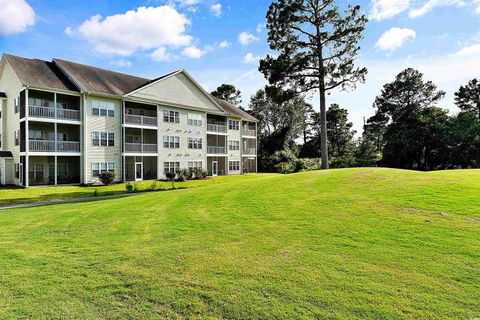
<point x="49" y="146"/>
<point x="250" y="151"/>
<point x="141" y="120"/>
<point x="140" y="148"/>
<point x="216" y="128"/>
<point x="52" y="113"/>
<point x="248" y="132"/>
<point x="216" y="150"/>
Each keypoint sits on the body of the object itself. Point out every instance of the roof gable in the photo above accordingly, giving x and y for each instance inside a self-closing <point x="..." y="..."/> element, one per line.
<point x="101" y="81"/>
<point x="39" y="73"/>
<point x="177" y="88"/>
<point x="235" y="111"/>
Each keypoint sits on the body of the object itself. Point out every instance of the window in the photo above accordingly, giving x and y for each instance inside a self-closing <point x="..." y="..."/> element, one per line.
<point x="17" y="170"/>
<point x="171" y="142"/>
<point x="36" y="172"/>
<point x="233" y="145"/>
<point x="195" y="143"/>
<point x="99" y="167"/>
<point x="233" y="125"/>
<point x="195" y="165"/>
<point x="171" y="166"/>
<point x="111" y="139"/>
<point x="171" y="116"/>
<point x="234" y="166"/>
<point x="17" y="137"/>
<point x="195" y="119"/>
<point x="104" y="139"/>
<point x="16" y="103"/>
<point x="103" y="108"/>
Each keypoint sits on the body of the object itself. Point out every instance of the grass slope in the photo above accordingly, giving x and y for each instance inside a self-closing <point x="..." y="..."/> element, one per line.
<point x="345" y="244"/>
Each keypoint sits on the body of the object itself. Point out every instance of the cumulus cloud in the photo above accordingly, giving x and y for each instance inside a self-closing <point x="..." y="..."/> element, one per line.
<point x="216" y="9"/>
<point x="386" y="9"/>
<point x="161" y="55"/>
<point x="122" y="63"/>
<point x="224" y="44"/>
<point x="69" y="32"/>
<point x="432" y="4"/>
<point x="15" y="16"/>
<point x="469" y="50"/>
<point x="246" y="38"/>
<point x="261" y="26"/>
<point x="395" y="38"/>
<point x="194" y="52"/>
<point x="250" y="58"/>
<point x="141" y="29"/>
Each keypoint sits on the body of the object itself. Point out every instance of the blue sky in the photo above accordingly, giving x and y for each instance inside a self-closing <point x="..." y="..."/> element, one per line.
<point x="220" y="41"/>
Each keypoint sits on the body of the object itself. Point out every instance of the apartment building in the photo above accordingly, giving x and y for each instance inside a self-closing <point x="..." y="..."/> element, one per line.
<point x="64" y="123"/>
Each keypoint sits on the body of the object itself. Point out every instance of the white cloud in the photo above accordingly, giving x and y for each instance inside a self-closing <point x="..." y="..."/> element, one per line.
<point x="469" y="50"/>
<point x="385" y="9"/>
<point x="395" y="38"/>
<point x="431" y="4"/>
<point x="193" y="52"/>
<point x="160" y="55"/>
<point x="246" y="38"/>
<point x="187" y="3"/>
<point x="15" y="16"/>
<point x="477" y="4"/>
<point x="69" y="32"/>
<point x="141" y="29"/>
<point x="261" y="26"/>
<point x="122" y="63"/>
<point x="250" y="58"/>
<point x="216" y="9"/>
<point x="224" y="44"/>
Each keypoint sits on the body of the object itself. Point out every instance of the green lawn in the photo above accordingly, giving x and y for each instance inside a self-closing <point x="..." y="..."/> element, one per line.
<point x="340" y="244"/>
<point x="12" y="196"/>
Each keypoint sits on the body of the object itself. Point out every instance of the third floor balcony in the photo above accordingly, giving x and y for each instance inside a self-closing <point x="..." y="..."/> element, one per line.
<point x="49" y="105"/>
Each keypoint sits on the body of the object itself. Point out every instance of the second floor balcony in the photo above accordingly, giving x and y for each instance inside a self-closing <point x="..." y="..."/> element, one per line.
<point x="216" y="128"/>
<point x="249" y="151"/>
<point x="54" y="146"/>
<point x="53" y="113"/>
<point x="141" y="148"/>
<point x="216" y="150"/>
<point x="141" y="120"/>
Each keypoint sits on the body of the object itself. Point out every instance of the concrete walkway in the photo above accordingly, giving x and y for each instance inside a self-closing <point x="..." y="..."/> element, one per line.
<point x="73" y="200"/>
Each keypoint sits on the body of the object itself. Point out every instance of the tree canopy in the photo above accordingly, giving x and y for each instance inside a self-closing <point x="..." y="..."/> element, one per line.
<point x="228" y="93"/>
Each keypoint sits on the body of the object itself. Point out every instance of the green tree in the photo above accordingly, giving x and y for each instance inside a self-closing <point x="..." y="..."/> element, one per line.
<point x="374" y="129"/>
<point x="317" y="48"/>
<point x="467" y="98"/>
<point x="228" y="93"/>
<point x="339" y="129"/>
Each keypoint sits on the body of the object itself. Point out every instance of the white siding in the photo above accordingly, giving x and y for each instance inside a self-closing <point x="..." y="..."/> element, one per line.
<point x="234" y="135"/>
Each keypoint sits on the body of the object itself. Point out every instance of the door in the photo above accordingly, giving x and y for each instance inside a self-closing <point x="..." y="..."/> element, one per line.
<point x="138" y="171"/>
<point x="214" y="168"/>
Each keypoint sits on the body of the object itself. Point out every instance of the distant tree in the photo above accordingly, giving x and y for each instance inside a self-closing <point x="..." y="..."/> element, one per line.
<point x="340" y="133"/>
<point x="317" y="50"/>
<point x="374" y="130"/>
<point x="467" y="98"/>
<point x="228" y="93"/>
<point x="465" y="140"/>
<point x="415" y="125"/>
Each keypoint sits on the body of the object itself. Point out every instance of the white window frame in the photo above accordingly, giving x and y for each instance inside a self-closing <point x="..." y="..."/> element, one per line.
<point x="100" y="167"/>
<point x="171" y="142"/>
<point x="234" y="145"/>
<point x="234" y="165"/>
<point x="103" y="139"/>
<point x="171" y="116"/>
<point x="102" y="108"/>
<point x="195" y="164"/>
<point x="171" y="166"/>
<point x="233" y="125"/>
<point x="16" y="134"/>
<point x="195" y="119"/>
<point x="195" y="143"/>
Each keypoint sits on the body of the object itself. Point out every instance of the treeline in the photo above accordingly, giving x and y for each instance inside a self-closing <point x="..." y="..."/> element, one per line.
<point x="408" y="129"/>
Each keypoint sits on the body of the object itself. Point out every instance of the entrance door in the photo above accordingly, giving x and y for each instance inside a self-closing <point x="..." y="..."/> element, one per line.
<point x="214" y="168"/>
<point x="138" y="171"/>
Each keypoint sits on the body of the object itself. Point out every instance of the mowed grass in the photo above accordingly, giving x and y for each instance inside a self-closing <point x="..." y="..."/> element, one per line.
<point x="16" y="195"/>
<point x="339" y="244"/>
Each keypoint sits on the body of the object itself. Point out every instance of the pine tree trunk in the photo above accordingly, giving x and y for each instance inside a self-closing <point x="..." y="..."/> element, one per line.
<point x="323" y="129"/>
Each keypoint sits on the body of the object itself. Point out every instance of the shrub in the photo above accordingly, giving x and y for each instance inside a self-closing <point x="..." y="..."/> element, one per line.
<point x="182" y="175"/>
<point x="298" y="165"/>
<point x="171" y="177"/>
<point x="130" y="187"/>
<point x="199" y="173"/>
<point x="191" y="173"/>
<point x="107" y="177"/>
<point x="154" y="186"/>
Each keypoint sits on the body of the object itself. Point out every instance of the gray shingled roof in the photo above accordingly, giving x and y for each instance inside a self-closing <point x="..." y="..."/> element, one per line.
<point x="39" y="73"/>
<point x="92" y="79"/>
<point x="231" y="109"/>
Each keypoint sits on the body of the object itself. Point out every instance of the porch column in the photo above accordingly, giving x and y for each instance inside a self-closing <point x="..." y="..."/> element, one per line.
<point x="158" y="143"/>
<point x="56" y="150"/>
<point x="27" y="144"/>
<point x="124" y="165"/>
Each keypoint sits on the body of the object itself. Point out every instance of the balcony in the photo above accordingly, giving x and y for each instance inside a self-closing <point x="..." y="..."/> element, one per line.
<point x="141" y="120"/>
<point x="250" y="151"/>
<point x="216" y="150"/>
<point x="140" y="148"/>
<point x="53" y="113"/>
<point x="249" y="132"/>
<point x="49" y="146"/>
<point x="216" y="128"/>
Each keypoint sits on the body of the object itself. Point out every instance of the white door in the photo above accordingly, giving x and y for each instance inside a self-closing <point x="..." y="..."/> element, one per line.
<point x="138" y="171"/>
<point x="214" y="168"/>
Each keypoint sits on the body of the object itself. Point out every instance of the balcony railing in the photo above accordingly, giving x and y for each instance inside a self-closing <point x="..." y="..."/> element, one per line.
<point x="140" y="148"/>
<point x="250" y="151"/>
<point x="52" y="113"/>
<point x="248" y="132"/>
<point x="49" y="146"/>
<point x="216" y="128"/>
<point x="141" y="120"/>
<point x="216" y="150"/>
